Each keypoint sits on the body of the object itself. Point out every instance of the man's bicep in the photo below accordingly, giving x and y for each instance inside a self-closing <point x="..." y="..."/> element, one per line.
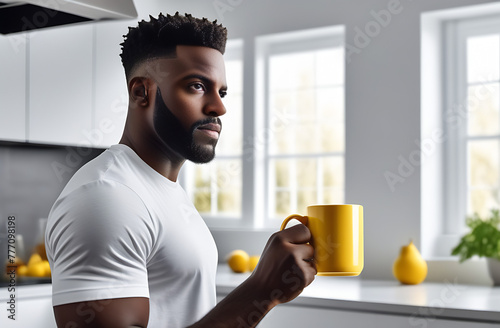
<point x="98" y="243"/>
<point x="108" y="313"/>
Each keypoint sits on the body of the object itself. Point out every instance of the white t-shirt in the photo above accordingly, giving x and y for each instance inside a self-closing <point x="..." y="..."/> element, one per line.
<point x="121" y="229"/>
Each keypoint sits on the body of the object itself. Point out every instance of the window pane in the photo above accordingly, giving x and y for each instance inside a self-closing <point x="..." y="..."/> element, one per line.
<point x="234" y="75"/>
<point x="305" y="138"/>
<point x="282" y="206"/>
<point x="483" y="58"/>
<point x="202" y="200"/>
<point x="306" y="106"/>
<point x="281" y="123"/>
<point x="330" y="104"/>
<point x="228" y="202"/>
<point x="332" y="137"/>
<point x="282" y="105"/>
<point x="281" y="173"/>
<point x="333" y="172"/>
<point x="228" y="186"/>
<point x="202" y="191"/>
<point x="330" y="67"/>
<point x="282" y="141"/>
<point x="481" y="201"/>
<point x="282" y="77"/>
<point x="306" y="121"/>
<point x="306" y="173"/>
<point x="483" y="167"/>
<point x="483" y="109"/>
<point x="202" y="176"/>
<point x="333" y="196"/>
<point x="305" y="198"/>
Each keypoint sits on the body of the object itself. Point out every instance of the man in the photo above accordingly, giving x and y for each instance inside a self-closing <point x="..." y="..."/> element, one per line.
<point x="126" y="246"/>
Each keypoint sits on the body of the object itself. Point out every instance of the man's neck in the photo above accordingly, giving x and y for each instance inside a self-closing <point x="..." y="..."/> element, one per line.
<point x="159" y="158"/>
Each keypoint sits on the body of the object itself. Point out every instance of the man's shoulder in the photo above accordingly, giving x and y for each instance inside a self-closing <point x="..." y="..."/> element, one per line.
<point x="98" y="194"/>
<point x="113" y="167"/>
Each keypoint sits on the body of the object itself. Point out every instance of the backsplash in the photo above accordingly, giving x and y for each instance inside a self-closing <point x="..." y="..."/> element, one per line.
<point x="31" y="178"/>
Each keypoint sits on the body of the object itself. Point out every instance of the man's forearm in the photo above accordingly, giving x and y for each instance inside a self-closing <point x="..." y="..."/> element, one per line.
<point x="244" y="307"/>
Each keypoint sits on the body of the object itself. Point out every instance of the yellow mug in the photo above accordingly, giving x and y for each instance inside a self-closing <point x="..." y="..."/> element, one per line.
<point x="337" y="238"/>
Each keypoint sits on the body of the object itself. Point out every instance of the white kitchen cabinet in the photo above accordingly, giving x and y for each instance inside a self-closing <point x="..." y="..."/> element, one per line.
<point x="13" y="87"/>
<point x="60" y="85"/>
<point x="111" y="97"/>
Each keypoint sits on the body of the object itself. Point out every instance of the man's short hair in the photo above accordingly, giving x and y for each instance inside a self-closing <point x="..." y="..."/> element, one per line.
<point x="160" y="36"/>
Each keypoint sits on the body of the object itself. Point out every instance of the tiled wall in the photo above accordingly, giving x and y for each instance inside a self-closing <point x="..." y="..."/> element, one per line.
<point x="31" y="178"/>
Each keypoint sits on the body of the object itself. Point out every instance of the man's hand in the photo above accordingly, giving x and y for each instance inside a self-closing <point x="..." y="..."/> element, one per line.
<point x="286" y="266"/>
<point x="284" y="270"/>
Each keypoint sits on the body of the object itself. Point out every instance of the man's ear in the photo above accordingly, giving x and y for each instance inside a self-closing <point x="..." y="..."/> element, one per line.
<point x="139" y="91"/>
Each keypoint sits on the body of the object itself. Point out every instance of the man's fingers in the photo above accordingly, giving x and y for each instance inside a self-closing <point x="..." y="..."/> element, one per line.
<point x="298" y="234"/>
<point x="305" y="252"/>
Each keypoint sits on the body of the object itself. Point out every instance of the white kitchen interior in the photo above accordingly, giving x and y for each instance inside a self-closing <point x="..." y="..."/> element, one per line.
<point x="63" y="100"/>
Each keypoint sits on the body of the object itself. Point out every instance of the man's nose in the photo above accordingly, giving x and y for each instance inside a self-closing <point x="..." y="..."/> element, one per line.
<point x="215" y="106"/>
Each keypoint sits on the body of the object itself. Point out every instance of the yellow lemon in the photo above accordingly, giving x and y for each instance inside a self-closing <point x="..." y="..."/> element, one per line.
<point x="22" y="270"/>
<point x="238" y="261"/>
<point x="36" y="270"/>
<point x="47" y="268"/>
<point x="253" y="262"/>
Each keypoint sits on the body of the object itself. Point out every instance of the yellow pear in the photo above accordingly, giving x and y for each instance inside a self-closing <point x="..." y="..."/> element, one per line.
<point x="34" y="259"/>
<point x="410" y="268"/>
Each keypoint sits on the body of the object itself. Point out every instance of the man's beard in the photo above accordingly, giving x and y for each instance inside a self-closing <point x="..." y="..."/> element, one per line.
<point x="171" y="132"/>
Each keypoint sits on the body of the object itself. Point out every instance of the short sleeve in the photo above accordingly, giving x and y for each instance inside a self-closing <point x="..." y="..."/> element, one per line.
<point x="98" y="240"/>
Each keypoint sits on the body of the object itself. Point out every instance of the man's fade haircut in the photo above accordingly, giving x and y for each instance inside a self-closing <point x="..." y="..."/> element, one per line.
<point x="160" y="36"/>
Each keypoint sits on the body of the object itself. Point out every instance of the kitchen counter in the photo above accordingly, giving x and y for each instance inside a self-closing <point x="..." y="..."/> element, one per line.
<point x="31" y="306"/>
<point x="444" y="304"/>
<point x="446" y="300"/>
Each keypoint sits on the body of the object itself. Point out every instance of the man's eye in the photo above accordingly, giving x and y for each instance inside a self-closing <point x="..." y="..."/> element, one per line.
<point x="197" y="86"/>
<point x="223" y="94"/>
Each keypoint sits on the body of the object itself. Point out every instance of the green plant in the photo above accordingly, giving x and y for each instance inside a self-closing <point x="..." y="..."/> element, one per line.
<point x="482" y="240"/>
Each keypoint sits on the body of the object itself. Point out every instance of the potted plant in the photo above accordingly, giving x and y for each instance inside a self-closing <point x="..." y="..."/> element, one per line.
<point x="484" y="241"/>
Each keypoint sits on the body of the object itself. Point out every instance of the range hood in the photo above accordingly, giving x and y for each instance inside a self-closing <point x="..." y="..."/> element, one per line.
<point x="27" y="15"/>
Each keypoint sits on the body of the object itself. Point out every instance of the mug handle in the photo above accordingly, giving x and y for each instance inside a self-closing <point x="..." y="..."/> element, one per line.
<point x="301" y="218"/>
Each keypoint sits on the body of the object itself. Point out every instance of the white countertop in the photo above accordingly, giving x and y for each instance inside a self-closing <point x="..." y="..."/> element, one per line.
<point x="27" y="292"/>
<point x="438" y="300"/>
<point x="445" y="300"/>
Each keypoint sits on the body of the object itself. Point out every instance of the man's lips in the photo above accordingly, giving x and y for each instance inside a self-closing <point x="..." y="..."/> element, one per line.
<point x="210" y="129"/>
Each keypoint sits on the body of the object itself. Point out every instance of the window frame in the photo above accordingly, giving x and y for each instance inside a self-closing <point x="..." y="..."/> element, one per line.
<point x="455" y="34"/>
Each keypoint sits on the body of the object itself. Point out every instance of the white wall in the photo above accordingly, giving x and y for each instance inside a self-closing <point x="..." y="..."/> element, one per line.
<point x="382" y="102"/>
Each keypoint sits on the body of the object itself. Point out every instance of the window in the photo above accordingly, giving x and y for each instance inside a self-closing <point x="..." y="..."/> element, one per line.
<point x="460" y="135"/>
<point x="303" y="89"/>
<point x="472" y="119"/>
